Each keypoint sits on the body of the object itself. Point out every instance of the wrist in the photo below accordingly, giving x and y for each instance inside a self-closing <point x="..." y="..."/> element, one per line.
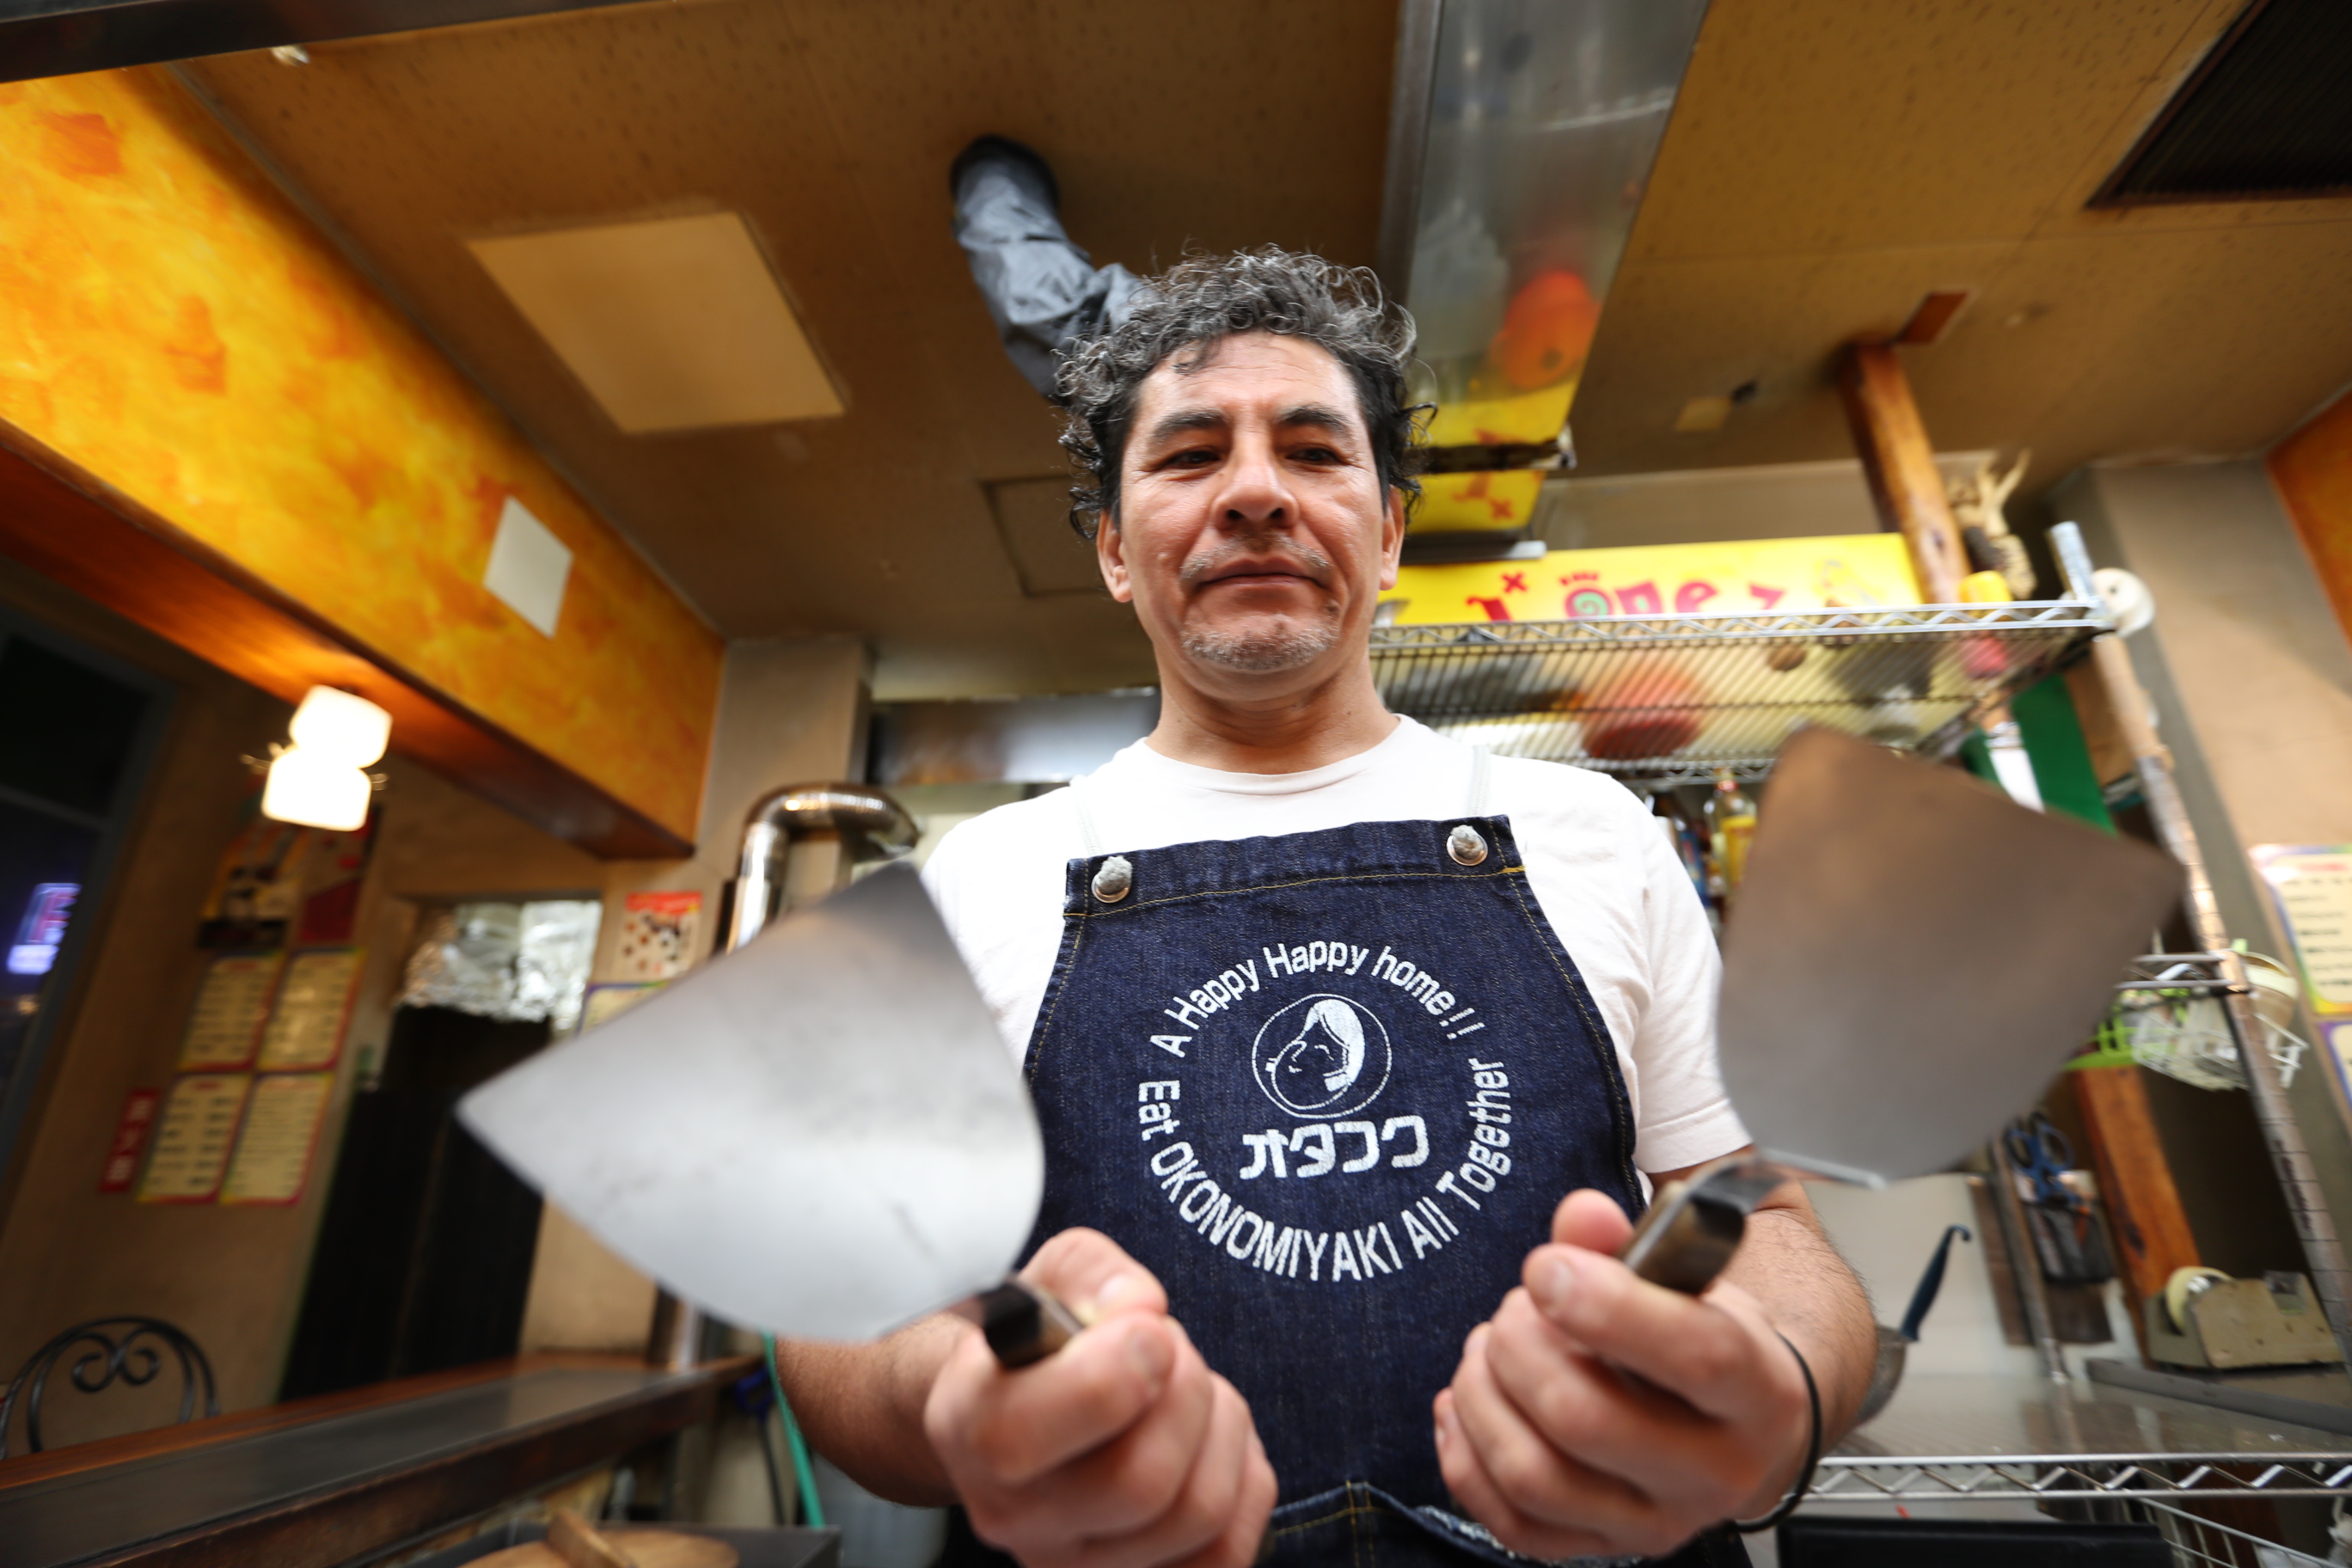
<point x="1782" y="1498"/>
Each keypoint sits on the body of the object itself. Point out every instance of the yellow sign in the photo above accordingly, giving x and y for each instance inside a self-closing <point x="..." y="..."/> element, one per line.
<point x="1750" y="576"/>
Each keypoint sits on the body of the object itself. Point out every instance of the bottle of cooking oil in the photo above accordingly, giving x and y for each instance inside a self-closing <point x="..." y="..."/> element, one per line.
<point x="1731" y="824"/>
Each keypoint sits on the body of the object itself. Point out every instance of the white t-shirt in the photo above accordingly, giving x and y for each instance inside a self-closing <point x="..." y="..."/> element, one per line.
<point x="1602" y="873"/>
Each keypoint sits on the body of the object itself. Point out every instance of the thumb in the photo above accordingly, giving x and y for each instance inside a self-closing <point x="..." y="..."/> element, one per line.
<point x="1591" y="1220"/>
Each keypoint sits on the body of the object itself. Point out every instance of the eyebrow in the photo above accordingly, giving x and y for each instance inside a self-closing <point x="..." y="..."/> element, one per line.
<point x="1310" y="416"/>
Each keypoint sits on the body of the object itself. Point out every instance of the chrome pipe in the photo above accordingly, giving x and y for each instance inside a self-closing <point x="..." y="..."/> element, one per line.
<point x="878" y="826"/>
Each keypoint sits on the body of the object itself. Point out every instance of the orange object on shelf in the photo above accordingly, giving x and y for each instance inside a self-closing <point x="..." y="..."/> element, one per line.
<point x="1546" y="329"/>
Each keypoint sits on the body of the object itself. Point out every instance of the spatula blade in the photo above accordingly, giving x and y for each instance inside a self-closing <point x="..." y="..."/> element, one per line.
<point x="821" y="1136"/>
<point x="1914" y="956"/>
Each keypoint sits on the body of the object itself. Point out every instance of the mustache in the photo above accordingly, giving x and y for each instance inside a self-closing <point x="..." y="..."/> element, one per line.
<point x="1296" y="558"/>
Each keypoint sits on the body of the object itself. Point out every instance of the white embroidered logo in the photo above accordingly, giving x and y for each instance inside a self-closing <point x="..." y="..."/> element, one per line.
<point x="1321" y="1057"/>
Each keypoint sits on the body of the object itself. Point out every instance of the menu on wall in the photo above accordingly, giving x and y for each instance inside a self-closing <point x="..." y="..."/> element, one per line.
<point x="272" y="1161"/>
<point x="232" y="1004"/>
<point x="314" y="1005"/>
<point x="194" y="1136"/>
<point x="2312" y="885"/>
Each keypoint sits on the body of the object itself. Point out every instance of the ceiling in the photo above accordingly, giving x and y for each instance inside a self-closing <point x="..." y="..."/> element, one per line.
<point x="830" y="125"/>
<point x="1828" y="165"/>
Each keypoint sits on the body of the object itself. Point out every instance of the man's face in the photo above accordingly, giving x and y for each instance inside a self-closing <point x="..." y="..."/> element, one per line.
<point x="1254" y="535"/>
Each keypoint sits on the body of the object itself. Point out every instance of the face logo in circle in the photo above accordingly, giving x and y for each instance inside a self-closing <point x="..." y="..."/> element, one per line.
<point x="1322" y="1056"/>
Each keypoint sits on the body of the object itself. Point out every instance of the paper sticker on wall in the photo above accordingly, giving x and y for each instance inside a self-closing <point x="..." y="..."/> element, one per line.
<point x="659" y="935"/>
<point x="2310" y="887"/>
<point x="314" y="1006"/>
<point x="193" y="1138"/>
<point x="232" y="1004"/>
<point x="130" y="1141"/>
<point x="272" y="1162"/>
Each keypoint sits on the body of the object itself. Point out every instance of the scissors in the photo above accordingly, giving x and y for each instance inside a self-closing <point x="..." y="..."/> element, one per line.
<point x="2041" y="1155"/>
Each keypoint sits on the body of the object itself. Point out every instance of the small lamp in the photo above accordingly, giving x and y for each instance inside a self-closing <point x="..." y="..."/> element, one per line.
<point x="320" y="780"/>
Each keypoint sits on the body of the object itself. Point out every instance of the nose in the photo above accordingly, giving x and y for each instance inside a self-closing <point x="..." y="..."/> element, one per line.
<point x="1255" y="493"/>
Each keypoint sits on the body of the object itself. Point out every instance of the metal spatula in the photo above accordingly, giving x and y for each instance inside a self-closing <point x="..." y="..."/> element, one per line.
<point x="820" y="1135"/>
<point x="1912" y="957"/>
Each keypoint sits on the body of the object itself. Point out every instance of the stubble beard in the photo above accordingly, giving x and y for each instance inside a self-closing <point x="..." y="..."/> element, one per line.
<point x="1287" y="644"/>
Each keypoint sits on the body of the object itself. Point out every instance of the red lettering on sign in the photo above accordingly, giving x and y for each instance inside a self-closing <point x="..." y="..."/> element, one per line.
<point x="1496" y="609"/>
<point x="1515" y="582"/>
<point x="1691" y="595"/>
<point x="1767" y="598"/>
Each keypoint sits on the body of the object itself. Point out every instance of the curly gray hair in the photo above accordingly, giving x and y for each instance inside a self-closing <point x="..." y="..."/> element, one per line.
<point x="1198" y="303"/>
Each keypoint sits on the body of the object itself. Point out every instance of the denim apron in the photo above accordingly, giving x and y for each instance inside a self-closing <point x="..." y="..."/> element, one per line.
<point x="1328" y="1088"/>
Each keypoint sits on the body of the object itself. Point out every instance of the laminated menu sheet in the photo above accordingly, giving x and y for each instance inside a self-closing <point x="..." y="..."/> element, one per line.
<point x="232" y="1004"/>
<point x="194" y="1136"/>
<point x="279" y="1133"/>
<point x="313" y="1008"/>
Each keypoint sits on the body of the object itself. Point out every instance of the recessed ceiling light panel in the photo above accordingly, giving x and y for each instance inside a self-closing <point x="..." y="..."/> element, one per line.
<point x="671" y="323"/>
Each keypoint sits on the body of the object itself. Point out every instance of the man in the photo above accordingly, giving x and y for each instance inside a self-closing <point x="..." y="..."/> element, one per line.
<point x="1350" y="1046"/>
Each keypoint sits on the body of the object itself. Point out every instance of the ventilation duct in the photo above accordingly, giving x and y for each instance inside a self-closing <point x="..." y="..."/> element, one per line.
<point x="2267" y="114"/>
<point x="1521" y="140"/>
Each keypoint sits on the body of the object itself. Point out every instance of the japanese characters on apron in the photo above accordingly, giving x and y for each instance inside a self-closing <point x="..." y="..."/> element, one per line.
<point x="1328" y="1088"/>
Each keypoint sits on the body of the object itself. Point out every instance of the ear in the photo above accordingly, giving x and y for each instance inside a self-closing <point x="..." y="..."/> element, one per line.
<point x="1110" y="555"/>
<point x="1391" y="538"/>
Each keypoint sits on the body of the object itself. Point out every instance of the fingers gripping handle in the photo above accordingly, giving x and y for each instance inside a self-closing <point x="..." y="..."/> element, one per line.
<point x="1690" y="1231"/>
<point x="1021" y="1323"/>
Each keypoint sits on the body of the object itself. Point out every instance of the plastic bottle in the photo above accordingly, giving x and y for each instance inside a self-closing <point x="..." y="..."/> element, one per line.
<point x="1731" y="825"/>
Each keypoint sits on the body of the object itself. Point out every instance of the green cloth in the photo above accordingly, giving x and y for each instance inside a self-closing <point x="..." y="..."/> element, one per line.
<point x="2054" y="744"/>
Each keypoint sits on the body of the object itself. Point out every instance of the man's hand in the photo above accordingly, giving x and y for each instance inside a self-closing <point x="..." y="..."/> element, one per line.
<point x="1599" y="1415"/>
<point x="1123" y="1450"/>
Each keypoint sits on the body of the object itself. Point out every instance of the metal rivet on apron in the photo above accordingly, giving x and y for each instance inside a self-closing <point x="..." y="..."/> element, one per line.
<point x="1464" y="844"/>
<point x="1117" y="877"/>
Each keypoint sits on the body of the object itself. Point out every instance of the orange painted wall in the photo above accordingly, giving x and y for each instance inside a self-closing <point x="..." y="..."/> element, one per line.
<point x="2312" y="471"/>
<point x="170" y="324"/>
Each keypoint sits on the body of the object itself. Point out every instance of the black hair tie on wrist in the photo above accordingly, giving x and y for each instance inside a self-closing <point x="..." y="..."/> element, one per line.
<point x="1812" y="1454"/>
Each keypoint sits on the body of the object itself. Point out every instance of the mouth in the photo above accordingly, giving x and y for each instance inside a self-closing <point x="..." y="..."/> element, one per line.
<point x="1273" y="573"/>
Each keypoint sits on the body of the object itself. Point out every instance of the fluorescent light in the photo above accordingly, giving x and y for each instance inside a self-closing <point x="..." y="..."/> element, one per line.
<point x="319" y="780"/>
<point x="671" y="324"/>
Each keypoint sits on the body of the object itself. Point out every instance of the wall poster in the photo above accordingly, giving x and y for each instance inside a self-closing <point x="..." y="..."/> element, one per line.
<point x="659" y="937"/>
<point x="232" y="1004"/>
<point x="314" y="1008"/>
<point x="194" y="1136"/>
<point x="272" y="1161"/>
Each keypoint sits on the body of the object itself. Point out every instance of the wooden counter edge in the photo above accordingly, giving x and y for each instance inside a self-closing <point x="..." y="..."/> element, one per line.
<point x="24" y="1469"/>
<point x="380" y="1511"/>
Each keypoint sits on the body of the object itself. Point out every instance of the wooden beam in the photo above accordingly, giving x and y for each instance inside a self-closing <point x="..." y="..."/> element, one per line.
<point x="2151" y="1228"/>
<point x="76" y="530"/>
<point x="1901" y="468"/>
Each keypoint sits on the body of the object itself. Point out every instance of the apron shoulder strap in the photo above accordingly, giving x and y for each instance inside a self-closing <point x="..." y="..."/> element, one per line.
<point x="1480" y="759"/>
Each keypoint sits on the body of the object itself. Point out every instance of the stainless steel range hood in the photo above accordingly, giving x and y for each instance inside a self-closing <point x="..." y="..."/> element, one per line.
<point x="1521" y="140"/>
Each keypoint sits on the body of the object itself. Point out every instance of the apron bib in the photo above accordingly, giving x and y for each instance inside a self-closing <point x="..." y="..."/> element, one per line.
<point x="1328" y="1088"/>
